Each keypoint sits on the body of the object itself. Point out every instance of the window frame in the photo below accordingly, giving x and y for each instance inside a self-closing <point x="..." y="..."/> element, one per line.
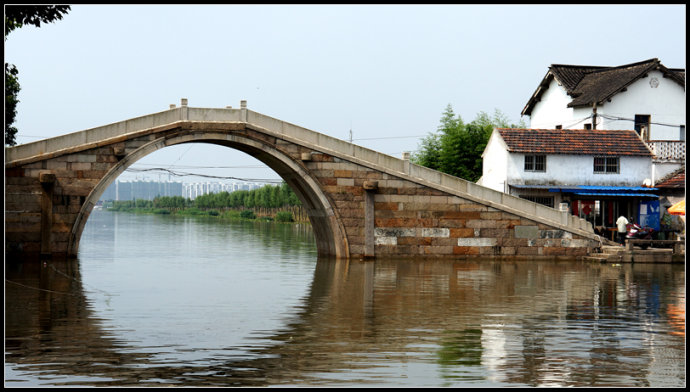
<point x="534" y="162"/>
<point x="643" y="120"/>
<point x="605" y="164"/>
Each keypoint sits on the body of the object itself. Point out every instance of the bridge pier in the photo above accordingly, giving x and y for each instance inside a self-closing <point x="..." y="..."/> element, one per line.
<point x="370" y="188"/>
<point x="47" y="180"/>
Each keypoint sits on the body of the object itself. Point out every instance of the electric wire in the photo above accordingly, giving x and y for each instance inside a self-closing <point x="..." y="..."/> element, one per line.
<point x="616" y="118"/>
<point x="185" y="174"/>
<point x="579" y="121"/>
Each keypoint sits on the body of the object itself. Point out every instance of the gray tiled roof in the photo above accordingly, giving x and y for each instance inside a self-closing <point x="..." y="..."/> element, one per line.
<point x="593" y="84"/>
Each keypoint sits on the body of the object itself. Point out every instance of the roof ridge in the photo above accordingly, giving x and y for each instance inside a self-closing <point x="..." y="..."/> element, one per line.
<point x="606" y="67"/>
<point x="650" y="61"/>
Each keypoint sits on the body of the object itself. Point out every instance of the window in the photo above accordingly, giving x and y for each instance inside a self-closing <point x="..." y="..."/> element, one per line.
<point x="559" y="126"/>
<point x="588" y="126"/>
<point x="642" y="121"/>
<point x="536" y="163"/>
<point x="605" y="165"/>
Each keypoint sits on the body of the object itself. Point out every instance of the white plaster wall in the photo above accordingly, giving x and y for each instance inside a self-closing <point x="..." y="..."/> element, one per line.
<point x="553" y="109"/>
<point x="665" y="104"/>
<point x="663" y="169"/>
<point x="494" y="164"/>
<point x="578" y="170"/>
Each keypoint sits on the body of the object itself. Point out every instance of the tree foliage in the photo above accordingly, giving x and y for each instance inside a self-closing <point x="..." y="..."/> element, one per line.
<point x="11" y="93"/>
<point x="268" y="196"/>
<point x="456" y="147"/>
<point x="17" y="16"/>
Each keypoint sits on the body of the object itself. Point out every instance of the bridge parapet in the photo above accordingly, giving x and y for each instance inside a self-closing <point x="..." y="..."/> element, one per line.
<point x="424" y="175"/>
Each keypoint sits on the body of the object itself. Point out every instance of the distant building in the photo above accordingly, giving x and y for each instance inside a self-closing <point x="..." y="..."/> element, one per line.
<point x="196" y="189"/>
<point x="148" y="190"/>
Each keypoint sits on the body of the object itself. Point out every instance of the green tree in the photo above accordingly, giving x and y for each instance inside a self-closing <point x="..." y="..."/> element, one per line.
<point x="456" y="148"/>
<point x="11" y="93"/>
<point x="17" y="16"/>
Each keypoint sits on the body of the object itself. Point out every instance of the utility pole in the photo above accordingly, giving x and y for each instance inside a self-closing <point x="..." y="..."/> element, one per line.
<point x="350" y="131"/>
<point x="594" y="115"/>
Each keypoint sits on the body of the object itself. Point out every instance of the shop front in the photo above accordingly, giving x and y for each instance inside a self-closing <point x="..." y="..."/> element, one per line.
<point x="602" y="205"/>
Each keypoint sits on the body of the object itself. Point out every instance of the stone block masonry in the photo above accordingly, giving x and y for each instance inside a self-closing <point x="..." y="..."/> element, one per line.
<point x="415" y="221"/>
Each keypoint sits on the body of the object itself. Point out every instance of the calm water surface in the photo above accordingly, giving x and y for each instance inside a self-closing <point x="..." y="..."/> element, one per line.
<point x="170" y="301"/>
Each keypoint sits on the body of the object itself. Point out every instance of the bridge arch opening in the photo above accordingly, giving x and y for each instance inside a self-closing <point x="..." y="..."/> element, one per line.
<point x="328" y="230"/>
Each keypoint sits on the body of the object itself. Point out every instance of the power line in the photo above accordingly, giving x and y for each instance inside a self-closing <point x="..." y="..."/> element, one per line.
<point x="579" y="121"/>
<point x="608" y="117"/>
<point x="203" y="167"/>
<point x="389" y="137"/>
<point x="185" y="174"/>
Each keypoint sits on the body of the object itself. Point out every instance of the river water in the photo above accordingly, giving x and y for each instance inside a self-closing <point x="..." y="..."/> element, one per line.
<point x="173" y="301"/>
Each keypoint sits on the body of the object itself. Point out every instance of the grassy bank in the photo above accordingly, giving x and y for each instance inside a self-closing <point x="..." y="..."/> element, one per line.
<point x="286" y="214"/>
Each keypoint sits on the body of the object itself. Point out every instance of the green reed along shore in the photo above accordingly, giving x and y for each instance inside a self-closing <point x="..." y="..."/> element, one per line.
<point x="272" y="203"/>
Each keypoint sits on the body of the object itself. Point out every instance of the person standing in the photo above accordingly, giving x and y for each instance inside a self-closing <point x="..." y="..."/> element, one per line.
<point x="622" y="224"/>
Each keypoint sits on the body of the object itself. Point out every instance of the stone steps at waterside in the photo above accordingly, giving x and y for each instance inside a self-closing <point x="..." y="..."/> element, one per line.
<point x="619" y="254"/>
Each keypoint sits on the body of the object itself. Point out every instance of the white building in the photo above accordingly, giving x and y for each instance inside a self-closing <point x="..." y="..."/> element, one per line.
<point x="196" y="189"/>
<point x="645" y="96"/>
<point x="596" y="174"/>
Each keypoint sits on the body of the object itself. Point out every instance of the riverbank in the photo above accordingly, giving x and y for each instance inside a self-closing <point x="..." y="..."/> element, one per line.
<point x="283" y="214"/>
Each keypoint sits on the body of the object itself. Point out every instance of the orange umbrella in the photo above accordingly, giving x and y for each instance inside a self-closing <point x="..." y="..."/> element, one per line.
<point x="677" y="209"/>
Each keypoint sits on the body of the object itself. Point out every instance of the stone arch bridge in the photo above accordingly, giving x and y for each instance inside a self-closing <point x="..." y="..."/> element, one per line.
<point x="361" y="203"/>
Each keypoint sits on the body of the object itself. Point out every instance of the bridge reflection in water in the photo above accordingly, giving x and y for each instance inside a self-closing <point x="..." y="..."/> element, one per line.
<point x="384" y="323"/>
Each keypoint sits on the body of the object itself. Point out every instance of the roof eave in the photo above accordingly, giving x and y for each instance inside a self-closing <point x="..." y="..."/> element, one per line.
<point x="536" y="96"/>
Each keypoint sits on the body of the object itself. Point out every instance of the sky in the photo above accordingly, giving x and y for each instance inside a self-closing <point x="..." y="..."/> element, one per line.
<point x="379" y="74"/>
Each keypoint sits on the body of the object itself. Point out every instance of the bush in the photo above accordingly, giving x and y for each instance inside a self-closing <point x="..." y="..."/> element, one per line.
<point x="247" y="214"/>
<point x="192" y="211"/>
<point x="284" y="216"/>
<point x="231" y="214"/>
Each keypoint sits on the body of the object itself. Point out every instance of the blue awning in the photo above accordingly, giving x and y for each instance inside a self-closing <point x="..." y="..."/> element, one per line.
<point x="616" y="194"/>
<point x="606" y="190"/>
<point x="595" y="190"/>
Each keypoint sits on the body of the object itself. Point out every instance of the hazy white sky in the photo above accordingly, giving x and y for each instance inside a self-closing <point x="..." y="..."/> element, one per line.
<point x="385" y="72"/>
